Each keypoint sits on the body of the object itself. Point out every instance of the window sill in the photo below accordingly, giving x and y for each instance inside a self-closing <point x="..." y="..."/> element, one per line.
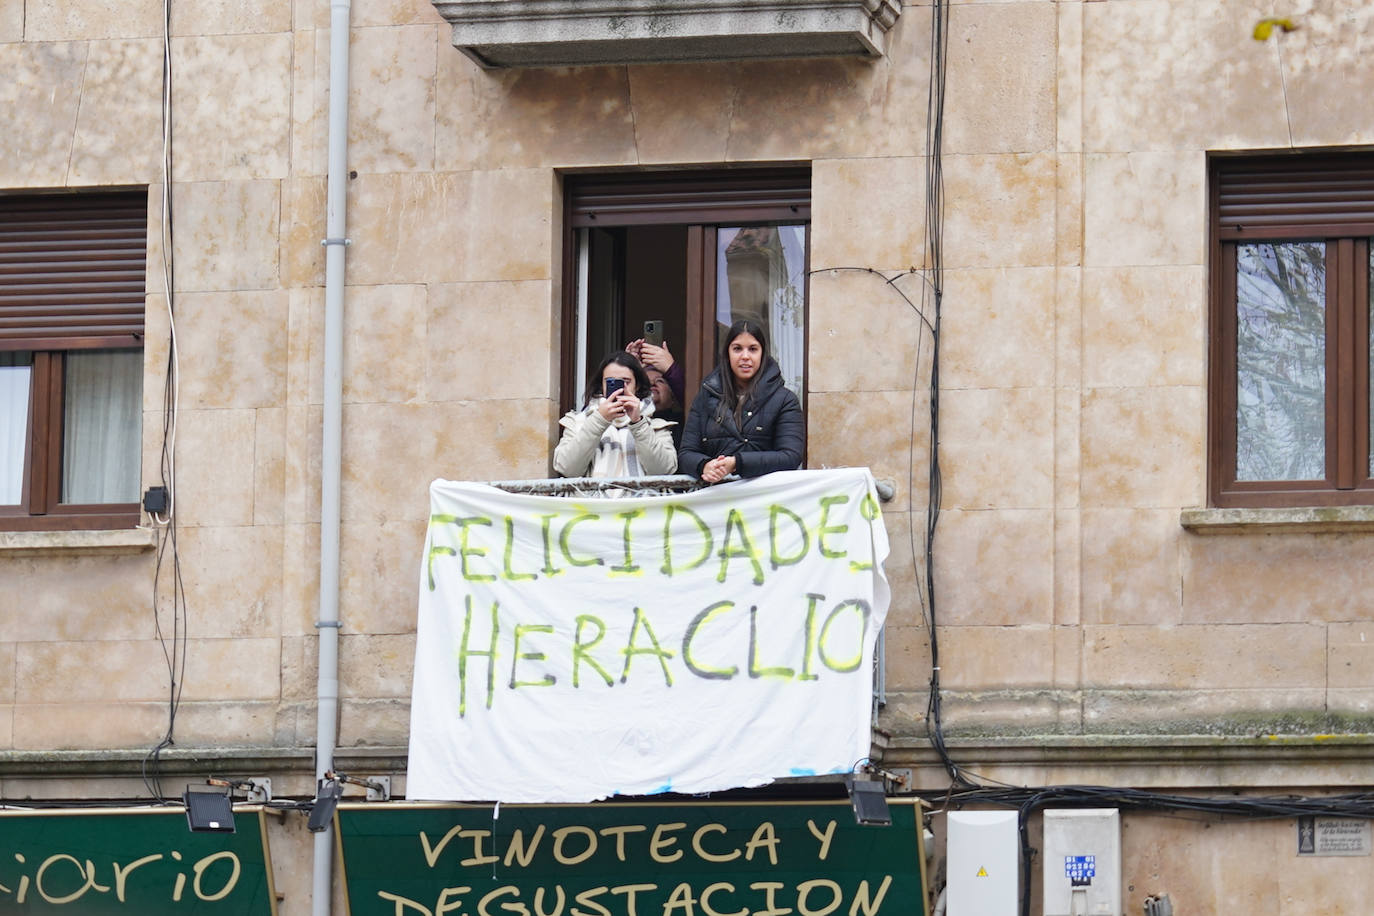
<point x="1319" y="520"/>
<point x="77" y="543"/>
<point x="572" y="33"/>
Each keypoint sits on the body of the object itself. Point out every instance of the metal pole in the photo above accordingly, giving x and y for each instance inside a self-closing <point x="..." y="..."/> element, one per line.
<point x="327" y="626"/>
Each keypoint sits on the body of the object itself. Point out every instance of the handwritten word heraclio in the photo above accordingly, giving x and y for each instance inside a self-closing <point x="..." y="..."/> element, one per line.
<point x="832" y="638"/>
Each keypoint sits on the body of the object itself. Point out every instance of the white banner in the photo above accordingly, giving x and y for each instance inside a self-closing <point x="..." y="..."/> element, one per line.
<point x="570" y="649"/>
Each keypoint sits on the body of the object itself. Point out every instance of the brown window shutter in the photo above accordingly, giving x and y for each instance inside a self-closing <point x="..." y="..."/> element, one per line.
<point x="713" y="198"/>
<point x="73" y="270"/>
<point x="1289" y="197"/>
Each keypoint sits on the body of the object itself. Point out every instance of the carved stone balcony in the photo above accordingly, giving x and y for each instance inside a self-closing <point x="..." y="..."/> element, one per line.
<point x="571" y="33"/>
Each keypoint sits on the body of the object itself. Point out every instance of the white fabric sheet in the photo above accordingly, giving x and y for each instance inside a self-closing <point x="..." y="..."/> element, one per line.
<point x="569" y="650"/>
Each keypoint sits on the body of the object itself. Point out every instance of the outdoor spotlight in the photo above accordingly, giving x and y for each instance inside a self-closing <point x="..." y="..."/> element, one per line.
<point x="209" y="812"/>
<point x="869" y="798"/>
<point x="326" y="801"/>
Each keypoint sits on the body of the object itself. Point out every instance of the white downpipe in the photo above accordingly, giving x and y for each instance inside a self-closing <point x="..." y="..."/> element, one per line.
<point x="327" y="694"/>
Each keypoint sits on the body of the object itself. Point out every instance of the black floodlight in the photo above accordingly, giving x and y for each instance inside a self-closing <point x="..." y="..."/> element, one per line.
<point x="209" y="812"/>
<point x="326" y="801"/>
<point x="869" y="798"/>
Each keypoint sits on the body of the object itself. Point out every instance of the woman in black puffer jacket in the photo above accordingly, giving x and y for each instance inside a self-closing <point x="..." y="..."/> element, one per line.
<point x="743" y="421"/>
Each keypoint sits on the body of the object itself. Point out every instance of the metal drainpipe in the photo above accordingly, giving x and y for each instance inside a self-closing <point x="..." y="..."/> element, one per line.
<point x="327" y="626"/>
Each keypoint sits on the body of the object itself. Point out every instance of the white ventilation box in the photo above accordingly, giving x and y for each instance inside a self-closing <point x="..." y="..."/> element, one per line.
<point x="981" y="863"/>
<point x="1082" y="862"/>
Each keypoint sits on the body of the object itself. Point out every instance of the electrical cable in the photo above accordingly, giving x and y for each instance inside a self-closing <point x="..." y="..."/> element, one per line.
<point x="932" y="295"/>
<point x="278" y="804"/>
<point x="962" y="791"/>
<point x="1029" y="800"/>
<point x="175" y="654"/>
<point x="889" y="281"/>
<point x="71" y="804"/>
<point x="934" y="289"/>
<point x="935" y="218"/>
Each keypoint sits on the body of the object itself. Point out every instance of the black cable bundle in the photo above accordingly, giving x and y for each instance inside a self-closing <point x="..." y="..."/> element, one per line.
<point x="175" y="654"/>
<point x="935" y="218"/>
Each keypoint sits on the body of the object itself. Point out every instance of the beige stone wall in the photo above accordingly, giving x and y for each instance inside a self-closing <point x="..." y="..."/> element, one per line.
<point x="1213" y="865"/>
<point x="1075" y="600"/>
<point x="1073" y="348"/>
<point x="1073" y="369"/>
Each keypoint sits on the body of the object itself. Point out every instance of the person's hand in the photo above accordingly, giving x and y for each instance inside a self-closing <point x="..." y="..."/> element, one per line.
<point x="635" y="347"/>
<point x="621" y="404"/>
<point x="629" y="405"/>
<point x="611" y="408"/>
<point x="717" y="469"/>
<point x="657" y="357"/>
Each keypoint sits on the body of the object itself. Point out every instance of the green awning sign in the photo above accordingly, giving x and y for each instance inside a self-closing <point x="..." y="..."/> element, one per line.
<point x="718" y="859"/>
<point x="132" y="861"/>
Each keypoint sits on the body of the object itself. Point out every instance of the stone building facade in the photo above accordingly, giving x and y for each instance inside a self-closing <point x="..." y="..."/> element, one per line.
<point x="1102" y="619"/>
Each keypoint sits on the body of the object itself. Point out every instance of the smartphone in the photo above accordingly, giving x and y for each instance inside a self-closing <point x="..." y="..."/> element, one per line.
<point x="653" y="332"/>
<point x="614" y="386"/>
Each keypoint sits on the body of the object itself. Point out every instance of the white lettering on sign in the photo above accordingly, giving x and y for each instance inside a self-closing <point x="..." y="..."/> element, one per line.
<point x="62" y="879"/>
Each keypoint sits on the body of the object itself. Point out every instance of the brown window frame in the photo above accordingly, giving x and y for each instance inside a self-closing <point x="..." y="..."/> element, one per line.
<point x="72" y="277"/>
<point x="1289" y="198"/>
<point x="700" y="200"/>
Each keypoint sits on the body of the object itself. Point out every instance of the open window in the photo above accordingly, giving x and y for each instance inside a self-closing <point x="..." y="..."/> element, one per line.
<point x="694" y="250"/>
<point x="1290" y="336"/>
<point x="72" y="287"/>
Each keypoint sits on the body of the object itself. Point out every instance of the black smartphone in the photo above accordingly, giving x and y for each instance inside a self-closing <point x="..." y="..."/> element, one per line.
<point x="653" y="332"/>
<point x="613" y="386"/>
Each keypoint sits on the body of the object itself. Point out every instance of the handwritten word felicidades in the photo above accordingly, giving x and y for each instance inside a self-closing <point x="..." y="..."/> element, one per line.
<point x="677" y="539"/>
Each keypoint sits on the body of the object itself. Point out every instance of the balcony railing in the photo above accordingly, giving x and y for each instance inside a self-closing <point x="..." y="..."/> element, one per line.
<point x="620" y="486"/>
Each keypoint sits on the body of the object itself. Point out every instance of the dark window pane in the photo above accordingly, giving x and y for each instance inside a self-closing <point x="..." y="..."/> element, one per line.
<point x="1281" y="361"/>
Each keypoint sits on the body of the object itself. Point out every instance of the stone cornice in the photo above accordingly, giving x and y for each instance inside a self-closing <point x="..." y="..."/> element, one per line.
<point x="1204" y="762"/>
<point x="195" y="761"/>
<point x="1176" y="761"/>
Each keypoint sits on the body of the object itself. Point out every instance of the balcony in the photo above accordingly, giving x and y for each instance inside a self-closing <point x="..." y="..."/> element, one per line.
<point x="572" y="33"/>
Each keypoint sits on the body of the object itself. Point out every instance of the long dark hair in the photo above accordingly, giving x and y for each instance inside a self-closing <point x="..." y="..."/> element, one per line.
<point x="596" y="389"/>
<point x="732" y="397"/>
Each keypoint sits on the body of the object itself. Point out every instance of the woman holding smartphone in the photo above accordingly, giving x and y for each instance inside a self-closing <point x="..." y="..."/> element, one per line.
<point x="615" y="434"/>
<point x="744" y="420"/>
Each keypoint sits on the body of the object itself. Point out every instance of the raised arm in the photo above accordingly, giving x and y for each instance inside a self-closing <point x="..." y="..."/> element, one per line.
<point x="654" y="446"/>
<point x="573" y="455"/>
